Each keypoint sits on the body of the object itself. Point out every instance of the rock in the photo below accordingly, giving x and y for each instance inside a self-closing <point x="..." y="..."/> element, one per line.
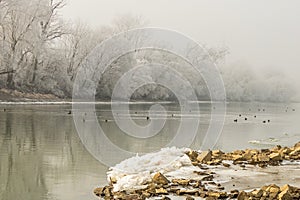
<point x="243" y="196"/>
<point x="237" y="157"/>
<point x="132" y="197"/>
<point x="247" y="156"/>
<point x="214" y="162"/>
<point x="238" y="152"/>
<point x="107" y="192"/>
<point x="265" y="150"/>
<point x="113" y="180"/>
<point x="273" y="189"/>
<point x="217" y="195"/>
<point x="146" y="194"/>
<point x="187" y="191"/>
<point x="189" y="198"/>
<point x="297" y="145"/>
<point x="183" y="182"/>
<point x="98" y="191"/>
<point x="217" y="153"/>
<point x="285" y="151"/>
<point x="275" y="157"/>
<point x="213" y="194"/>
<point x="263" y="158"/>
<point x="285" y="195"/>
<point x="211" y="198"/>
<point x="173" y="189"/>
<point x="234" y="194"/>
<point x="204" y="157"/>
<point x="161" y="191"/>
<point x="257" y="193"/>
<point x="165" y="198"/>
<point x="158" y="178"/>
<point x="285" y="187"/>
<point x="226" y="164"/>
<point x="207" y="178"/>
<point x="201" y="173"/>
<point x="295" y="152"/>
<point x="192" y="155"/>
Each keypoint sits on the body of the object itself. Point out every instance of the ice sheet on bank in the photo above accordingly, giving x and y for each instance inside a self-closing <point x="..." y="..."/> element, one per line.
<point x="135" y="172"/>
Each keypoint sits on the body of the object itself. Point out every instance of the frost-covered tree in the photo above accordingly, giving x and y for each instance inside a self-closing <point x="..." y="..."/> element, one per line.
<point x="29" y="30"/>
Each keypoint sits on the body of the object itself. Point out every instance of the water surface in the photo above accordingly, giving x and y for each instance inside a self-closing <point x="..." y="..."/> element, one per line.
<point x="42" y="157"/>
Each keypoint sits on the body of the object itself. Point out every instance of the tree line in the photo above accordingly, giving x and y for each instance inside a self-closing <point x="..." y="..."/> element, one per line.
<point x="40" y="52"/>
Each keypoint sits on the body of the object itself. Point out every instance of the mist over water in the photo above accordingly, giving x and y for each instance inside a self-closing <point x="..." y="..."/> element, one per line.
<point x="244" y="82"/>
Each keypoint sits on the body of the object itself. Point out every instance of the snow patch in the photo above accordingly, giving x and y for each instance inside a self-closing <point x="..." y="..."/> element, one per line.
<point x="136" y="172"/>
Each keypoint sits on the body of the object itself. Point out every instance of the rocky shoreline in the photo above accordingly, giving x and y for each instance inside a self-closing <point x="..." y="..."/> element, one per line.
<point x="203" y="183"/>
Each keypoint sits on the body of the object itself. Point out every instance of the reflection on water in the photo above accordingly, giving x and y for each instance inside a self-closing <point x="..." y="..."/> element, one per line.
<point x="41" y="156"/>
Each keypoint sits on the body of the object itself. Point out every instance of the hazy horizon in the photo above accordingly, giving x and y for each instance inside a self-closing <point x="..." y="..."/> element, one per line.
<point x="261" y="34"/>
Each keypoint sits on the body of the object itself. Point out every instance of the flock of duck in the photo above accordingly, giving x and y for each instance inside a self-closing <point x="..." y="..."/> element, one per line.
<point x="255" y="116"/>
<point x="241" y="117"/>
<point x="236" y="120"/>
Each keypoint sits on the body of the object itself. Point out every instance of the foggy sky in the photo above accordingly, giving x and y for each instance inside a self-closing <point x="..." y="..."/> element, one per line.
<point x="263" y="34"/>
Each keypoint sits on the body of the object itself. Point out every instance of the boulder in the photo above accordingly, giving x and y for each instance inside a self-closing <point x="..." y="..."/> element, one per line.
<point x="257" y="193"/>
<point x="237" y="157"/>
<point x="193" y="155"/>
<point x="285" y="195"/>
<point x="243" y="196"/>
<point x="297" y="145"/>
<point x="205" y="156"/>
<point x="263" y="158"/>
<point x="183" y="182"/>
<point x="275" y="157"/>
<point x="158" y="178"/>
<point x="161" y="191"/>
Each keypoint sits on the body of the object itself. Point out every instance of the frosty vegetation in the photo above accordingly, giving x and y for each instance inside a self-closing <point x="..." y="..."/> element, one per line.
<point x="41" y="52"/>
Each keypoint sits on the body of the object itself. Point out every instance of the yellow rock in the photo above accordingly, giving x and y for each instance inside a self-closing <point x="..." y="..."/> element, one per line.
<point x="158" y="178"/>
<point x="187" y="191"/>
<point x="285" y="195"/>
<point x="275" y="156"/>
<point x="247" y="156"/>
<point x="263" y="158"/>
<point x="161" y="191"/>
<point x="285" y="187"/>
<point x="237" y="157"/>
<point x="297" y="145"/>
<point x="213" y="194"/>
<point x="181" y="181"/>
<point x="217" y="153"/>
<point x="98" y="191"/>
<point x="273" y="188"/>
<point x="257" y="193"/>
<point x="205" y="156"/>
<point x="295" y="152"/>
<point x="285" y="151"/>
<point x="238" y="152"/>
<point x="226" y="164"/>
<point x="193" y="155"/>
<point x="243" y="196"/>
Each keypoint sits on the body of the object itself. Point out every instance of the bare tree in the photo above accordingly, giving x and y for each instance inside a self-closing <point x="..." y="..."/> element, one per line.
<point x="28" y="28"/>
<point x="79" y="43"/>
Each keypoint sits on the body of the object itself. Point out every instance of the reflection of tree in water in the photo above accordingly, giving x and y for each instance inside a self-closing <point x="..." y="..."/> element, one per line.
<point x="41" y="155"/>
<point x="21" y="163"/>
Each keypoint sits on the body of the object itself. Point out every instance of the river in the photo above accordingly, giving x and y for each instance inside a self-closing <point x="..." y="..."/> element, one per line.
<point x="42" y="157"/>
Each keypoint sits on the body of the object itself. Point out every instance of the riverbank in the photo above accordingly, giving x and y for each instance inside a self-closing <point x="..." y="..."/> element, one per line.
<point x="185" y="174"/>
<point x="17" y="96"/>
